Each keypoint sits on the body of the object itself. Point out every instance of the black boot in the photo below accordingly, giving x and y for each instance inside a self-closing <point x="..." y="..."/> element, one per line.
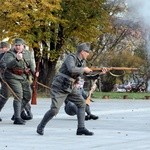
<point x="40" y="130"/>
<point x="24" y="116"/>
<point x="47" y="117"/>
<point x="93" y="117"/>
<point x="27" y="109"/>
<point x="84" y="131"/>
<point x="13" y="118"/>
<point x="87" y="117"/>
<point x="19" y="121"/>
<point x="0" y="119"/>
<point x="30" y="115"/>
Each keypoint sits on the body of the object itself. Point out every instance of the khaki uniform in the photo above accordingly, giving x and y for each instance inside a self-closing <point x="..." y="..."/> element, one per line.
<point x="16" y="75"/>
<point x="4" y="90"/>
<point x="63" y="88"/>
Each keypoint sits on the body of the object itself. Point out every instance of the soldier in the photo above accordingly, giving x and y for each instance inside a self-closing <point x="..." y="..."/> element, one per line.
<point x="63" y="87"/>
<point x="71" y="109"/>
<point x="4" y="47"/>
<point x="19" y="64"/>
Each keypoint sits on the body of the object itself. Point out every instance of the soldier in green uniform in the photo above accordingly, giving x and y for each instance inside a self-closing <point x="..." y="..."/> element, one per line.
<point x="63" y="88"/>
<point x="18" y="66"/>
<point x="4" y="47"/>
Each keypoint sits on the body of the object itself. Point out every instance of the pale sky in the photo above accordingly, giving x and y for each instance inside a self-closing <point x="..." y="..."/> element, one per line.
<point x="140" y="10"/>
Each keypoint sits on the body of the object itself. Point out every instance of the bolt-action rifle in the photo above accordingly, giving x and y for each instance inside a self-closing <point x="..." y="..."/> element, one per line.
<point x="109" y="69"/>
<point x="114" y="68"/>
<point x="11" y="90"/>
<point x="34" y="85"/>
<point x="93" y="88"/>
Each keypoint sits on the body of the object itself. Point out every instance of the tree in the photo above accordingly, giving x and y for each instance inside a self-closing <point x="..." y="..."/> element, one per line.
<point x="29" y="19"/>
<point x="54" y="25"/>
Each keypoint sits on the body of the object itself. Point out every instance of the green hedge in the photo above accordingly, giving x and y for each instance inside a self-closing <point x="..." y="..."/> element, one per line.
<point x="120" y="95"/>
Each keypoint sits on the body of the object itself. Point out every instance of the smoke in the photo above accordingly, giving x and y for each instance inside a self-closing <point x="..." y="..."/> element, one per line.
<point x="139" y="11"/>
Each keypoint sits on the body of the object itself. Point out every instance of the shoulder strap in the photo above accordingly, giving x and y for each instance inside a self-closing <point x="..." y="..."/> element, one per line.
<point x="2" y="56"/>
<point x="78" y="62"/>
<point x="73" y="55"/>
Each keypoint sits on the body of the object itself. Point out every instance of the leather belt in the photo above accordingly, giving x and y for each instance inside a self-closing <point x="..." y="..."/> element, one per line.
<point x="16" y="71"/>
<point x="66" y="76"/>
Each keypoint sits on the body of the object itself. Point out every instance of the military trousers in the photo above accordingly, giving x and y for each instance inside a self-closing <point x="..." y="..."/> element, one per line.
<point x="4" y="95"/>
<point x="58" y="96"/>
<point x="22" y="90"/>
<point x="71" y="109"/>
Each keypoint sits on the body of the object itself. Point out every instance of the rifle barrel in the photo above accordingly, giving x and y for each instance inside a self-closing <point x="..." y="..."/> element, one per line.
<point x="114" y="68"/>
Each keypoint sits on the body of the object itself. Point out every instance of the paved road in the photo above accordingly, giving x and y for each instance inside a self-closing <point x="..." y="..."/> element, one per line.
<point x="123" y="125"/>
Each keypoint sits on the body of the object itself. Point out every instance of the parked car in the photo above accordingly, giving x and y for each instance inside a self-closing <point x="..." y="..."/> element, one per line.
<point x="130" y="87"/>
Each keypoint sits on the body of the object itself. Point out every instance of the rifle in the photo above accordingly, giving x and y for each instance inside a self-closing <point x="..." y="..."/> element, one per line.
<point x="108" y="69"/>
<point x="2" y="96"/>
<point x="34" y="85"/>
<point x="88" y="100"/>
<point x="114" y="68"/>
<point x="11" y="90"/>
<point x="43" y="85"/>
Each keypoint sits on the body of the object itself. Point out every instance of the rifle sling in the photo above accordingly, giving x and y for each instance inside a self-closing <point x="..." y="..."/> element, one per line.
<point x="66" y="76"/>
<point x="116" y="75"/>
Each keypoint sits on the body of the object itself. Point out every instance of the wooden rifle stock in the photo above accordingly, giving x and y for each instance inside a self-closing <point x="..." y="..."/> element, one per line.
<point x="88" y="100"/>
<point x="114" y="68"/>
<point x="34" y="86"/>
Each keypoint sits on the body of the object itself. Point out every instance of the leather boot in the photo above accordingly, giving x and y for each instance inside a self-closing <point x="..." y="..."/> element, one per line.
<point x="84" y="131"/>
<point x="24" y="116"/>
<point x="47" y="117"/>
<point x="0" y="119"/>
<point x="30" y="115"/>
<point x="87" y="117"/>
<point x="93" y="117"/>
<point x="27" y="109"/>
<point x="40" y="130"/>
<point x="19" y="121"/>
<point x="13" y="118"/>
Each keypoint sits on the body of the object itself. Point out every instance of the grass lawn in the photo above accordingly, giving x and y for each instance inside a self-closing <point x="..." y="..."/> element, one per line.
<point x="121" y="95"/>
<point x="110" y="95"/>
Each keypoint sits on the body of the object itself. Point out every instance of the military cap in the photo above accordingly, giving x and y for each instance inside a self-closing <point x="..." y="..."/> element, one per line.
<point x="84" y="46"/>
<point x="19" y="41"/>
<point x="4" y="44"/>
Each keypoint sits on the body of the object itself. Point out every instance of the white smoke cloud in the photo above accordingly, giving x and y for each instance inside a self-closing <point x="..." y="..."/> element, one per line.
<point x="139" y="10"/>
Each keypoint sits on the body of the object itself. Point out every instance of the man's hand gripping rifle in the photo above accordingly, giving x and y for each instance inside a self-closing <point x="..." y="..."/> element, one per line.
<point x="94" y="76"/>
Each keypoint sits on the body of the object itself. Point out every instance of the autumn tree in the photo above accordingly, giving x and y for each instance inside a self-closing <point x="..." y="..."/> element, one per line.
<point x="120" y="47"/>
<point x="31" y="20"/>
<point x="51" y="27"/>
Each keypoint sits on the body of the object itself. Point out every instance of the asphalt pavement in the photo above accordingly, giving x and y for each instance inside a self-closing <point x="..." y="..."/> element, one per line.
<point x="122" y="125"/>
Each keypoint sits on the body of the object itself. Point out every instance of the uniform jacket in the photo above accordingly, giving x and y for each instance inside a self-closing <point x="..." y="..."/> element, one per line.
<point x="13" y="63"/>
<point x="72" y="68"/>
<point x="2" y="63"/>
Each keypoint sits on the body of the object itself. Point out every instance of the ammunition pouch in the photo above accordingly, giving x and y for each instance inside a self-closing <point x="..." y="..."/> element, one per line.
<point x="64" y="82"/>
<point x="16" y="71"/>
<point x="20" y="71"/>
<point x="67" y="84"/>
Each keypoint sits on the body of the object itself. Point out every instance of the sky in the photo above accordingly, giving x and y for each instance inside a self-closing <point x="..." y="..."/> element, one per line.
<point x="139" y="11"/>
